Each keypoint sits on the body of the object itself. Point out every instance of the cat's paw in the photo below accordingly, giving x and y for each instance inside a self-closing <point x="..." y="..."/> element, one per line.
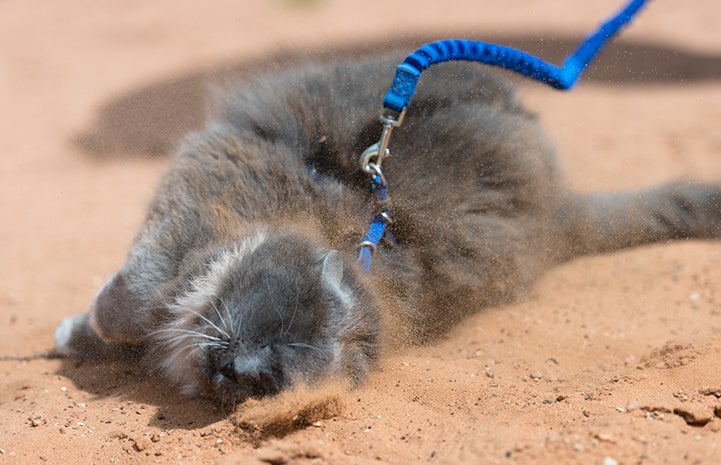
<point x="65" y="331"/>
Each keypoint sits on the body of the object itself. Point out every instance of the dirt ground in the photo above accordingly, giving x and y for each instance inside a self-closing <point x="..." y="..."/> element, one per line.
<point x="611" y="360"/>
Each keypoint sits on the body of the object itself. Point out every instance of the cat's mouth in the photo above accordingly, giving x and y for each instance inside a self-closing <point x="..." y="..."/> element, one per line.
<point x="232" y="389"/>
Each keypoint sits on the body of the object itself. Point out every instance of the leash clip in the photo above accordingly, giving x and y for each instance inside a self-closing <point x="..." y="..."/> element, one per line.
<point x="372" y="158"/>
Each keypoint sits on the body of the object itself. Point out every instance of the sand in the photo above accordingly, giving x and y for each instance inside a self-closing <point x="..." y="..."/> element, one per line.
<point x="610" y="360"/>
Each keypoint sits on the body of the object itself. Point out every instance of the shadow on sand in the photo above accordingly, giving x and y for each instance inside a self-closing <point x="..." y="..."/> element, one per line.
<point x="150" y="120"/>
<point x="125" y="380"/>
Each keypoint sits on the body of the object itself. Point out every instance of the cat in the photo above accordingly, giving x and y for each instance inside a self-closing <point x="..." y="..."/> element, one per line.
<point x="242" y="281"/>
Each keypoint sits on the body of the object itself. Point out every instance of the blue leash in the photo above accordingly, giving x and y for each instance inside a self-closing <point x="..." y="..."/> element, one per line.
<point x="377" y="229"/>
<point x="407" y="74"/>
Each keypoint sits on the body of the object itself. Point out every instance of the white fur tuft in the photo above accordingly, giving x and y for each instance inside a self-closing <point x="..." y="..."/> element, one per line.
<point x="64" y="333"/>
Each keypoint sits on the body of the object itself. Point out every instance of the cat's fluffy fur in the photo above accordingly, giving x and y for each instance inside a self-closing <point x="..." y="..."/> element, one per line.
<point x="242" y="279"/>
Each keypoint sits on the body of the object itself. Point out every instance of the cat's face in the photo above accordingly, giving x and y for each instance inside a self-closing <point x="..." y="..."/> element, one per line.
<point x="268" y="312"/>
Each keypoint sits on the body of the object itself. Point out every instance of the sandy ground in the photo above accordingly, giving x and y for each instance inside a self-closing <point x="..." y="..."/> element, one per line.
<point x="611" y="359"/>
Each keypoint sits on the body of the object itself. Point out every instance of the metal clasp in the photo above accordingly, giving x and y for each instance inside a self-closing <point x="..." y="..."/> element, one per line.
<point x="372" y="158"/>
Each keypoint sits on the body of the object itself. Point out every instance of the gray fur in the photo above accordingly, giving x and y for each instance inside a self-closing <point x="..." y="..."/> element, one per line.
<point x="242" y="279"/>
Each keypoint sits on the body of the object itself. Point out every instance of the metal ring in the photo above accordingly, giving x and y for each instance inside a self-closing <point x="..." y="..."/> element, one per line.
<point x="386" y="118"/>
<point x="376" y="171"/>
<point x="386" y="216"/>
<point x="367" y="157"/>
<point x="368" y="244"/>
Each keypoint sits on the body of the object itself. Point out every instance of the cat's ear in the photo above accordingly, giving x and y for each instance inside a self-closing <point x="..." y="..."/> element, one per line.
<point x="331" y="273"/>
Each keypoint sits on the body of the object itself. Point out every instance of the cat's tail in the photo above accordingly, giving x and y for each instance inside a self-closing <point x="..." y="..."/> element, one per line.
<point x="605" y="222"/>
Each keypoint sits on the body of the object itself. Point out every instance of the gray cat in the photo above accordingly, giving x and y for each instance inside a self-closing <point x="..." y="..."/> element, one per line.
<point x="243" y="281"/>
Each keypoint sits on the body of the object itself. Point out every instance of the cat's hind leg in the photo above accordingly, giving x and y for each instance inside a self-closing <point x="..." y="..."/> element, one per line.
<point x="605" y="222"/>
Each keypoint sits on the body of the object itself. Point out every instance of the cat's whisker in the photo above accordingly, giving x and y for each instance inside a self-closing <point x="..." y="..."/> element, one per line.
<point x="307" y="346"/>
<point x="232" y="327"/>
<point x="178" y="342"/>
<point x="295" y="310"/>
<point x="184" y="331"/>
<point x="209" y="345"/>
<point x="207" y="320"/>
<point x="180" y="333"/>
<point x="222" y="320"/>
<point x="273" y="304"/>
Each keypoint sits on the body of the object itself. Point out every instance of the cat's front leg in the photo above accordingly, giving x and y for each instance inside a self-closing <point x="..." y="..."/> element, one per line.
<point x="110" y="329"/>
<point x="74" y="337"/>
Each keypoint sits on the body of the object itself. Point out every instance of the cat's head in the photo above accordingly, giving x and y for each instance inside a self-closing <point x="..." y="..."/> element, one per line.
<point x="268" y="311"/>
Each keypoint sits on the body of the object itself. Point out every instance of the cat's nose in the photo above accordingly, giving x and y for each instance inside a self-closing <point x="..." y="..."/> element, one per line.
<point x="253" y="375"/>
<point x="255" y="384"/>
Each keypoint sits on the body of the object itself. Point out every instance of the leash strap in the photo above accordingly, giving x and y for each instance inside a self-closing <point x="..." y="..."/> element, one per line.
<point x="377" y="229"/>
<point x="563" y="77"/>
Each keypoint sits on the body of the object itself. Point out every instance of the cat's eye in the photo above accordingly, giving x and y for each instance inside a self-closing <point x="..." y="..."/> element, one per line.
<point x="228" y="370"/>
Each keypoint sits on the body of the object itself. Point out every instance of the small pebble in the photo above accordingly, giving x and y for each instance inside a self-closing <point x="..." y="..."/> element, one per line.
<point x="140" y="444"/>
<point x="605" y="437"/>
<point x="610" y="461"/>
<point x="536" y="375"/>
